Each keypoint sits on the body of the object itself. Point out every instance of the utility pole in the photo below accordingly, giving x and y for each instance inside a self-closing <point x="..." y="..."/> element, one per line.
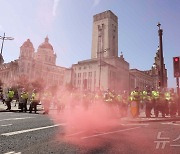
<point x="177" y="84"/>
<point x="176" y="66"/>
<point x="160" y="32"/>
<point x="100" y="52"/>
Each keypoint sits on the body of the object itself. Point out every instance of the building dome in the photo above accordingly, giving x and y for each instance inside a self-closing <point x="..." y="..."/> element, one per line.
<point x="46" y="44"/>
<point x="27" y="44"/>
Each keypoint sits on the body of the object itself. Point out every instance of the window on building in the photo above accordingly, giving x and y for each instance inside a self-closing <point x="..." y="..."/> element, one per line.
<point x="79" y="75"/>
<point x="113" y="44"/>
<point x="89" y="74"/>
<point x="84" y="75"/>
<point x="75" y="83"/>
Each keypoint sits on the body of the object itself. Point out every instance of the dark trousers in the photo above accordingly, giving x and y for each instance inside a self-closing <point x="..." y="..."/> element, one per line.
<point x="8" y="103"/>
<point x="33" y="105"/>
<point x="23" y="105"/>
<point x="46" y="104"/>
<point x="148" y="109"/>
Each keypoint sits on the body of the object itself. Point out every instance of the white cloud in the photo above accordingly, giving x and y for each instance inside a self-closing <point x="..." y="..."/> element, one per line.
<point x="96" y="2"/>
<point x="56" y="2"/>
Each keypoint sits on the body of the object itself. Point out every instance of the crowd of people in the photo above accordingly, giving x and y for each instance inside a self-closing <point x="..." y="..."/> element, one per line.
<point x="162" y="101"/>
<point x="152" y="101"/>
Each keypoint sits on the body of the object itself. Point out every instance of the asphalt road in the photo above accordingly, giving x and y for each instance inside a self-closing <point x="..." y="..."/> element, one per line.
<point x="24" y="133"/>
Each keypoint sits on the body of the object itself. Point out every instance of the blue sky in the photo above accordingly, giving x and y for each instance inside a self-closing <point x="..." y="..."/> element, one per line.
<point x="68" y="23"/>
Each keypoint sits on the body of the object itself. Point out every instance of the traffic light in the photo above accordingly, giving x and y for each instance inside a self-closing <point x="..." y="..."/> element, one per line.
<point x="176" y="64"/>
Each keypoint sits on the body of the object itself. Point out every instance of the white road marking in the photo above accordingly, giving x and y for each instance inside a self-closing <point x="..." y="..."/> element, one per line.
<point x="176" y="124"/>
<point x="109" y="133"/>
<point x="134" y="124"/>
<point x="170" y="123"/>
<point x="6" y="125"/>
<point x="12" y="152"/>
<point x="75" y="133"/>
<point x="166" y="123"/>
<point x="16" y="118"/>
<point x="30" y="130"/>
<point x="175" y="145"/>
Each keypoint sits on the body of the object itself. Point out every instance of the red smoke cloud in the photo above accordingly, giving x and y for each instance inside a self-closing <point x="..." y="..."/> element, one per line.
<point x="86" y="120"/>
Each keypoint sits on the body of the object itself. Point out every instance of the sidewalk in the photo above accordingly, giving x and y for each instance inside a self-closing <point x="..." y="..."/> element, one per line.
<point x="14" y="108"/>
<point x="142" y="118"/>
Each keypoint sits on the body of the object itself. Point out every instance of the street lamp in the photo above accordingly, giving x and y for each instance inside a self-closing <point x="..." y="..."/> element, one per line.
<point x="4" y="38"/>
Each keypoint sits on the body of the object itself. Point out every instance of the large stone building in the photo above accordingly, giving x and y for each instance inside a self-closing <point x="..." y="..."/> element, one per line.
<point x="150" y="77"/>
<point x="33" y="65"/>
<point x="140" y="79"/>
<point x="155" y="72"/>
<point x="105" y="70"/>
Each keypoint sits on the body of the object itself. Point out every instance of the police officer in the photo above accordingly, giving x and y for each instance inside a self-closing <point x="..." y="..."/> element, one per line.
<point x="1" y="94"/>
<point x="173" y="103"/>
<point x="135" y="96"/>
<point x="147" y="98"/>
<point x="155" y="98"/>
<point x="34" y="100"/>
<point x="23" y="100"/>
<point x="46" y="100"/>
<point x="124" y="103"/>
<point x="85" y="100"/>
<point x="161" y="103"/>
<point x="9" y="97"/>
<point x="166" y="103"/>
<point x="119" y="101"/>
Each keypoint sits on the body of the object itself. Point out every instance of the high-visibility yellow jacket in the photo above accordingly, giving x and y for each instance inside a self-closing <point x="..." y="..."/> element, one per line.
<point x="35" y="97"/>
<point x="46" y="96"/>
<point x="135" y="96"/>
<point x="10" y="94"/>
<point x="167" y="96"/>
<point x="24" y="95"/>
<point x="155" y="94"/>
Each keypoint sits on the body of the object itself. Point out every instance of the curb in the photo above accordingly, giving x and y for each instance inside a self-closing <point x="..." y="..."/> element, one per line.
<point x="152" y="120"/>
<point x="17" y="110"/>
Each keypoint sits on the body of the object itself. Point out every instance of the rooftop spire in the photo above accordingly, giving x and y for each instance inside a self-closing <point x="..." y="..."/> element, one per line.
<point x="47" y="39"/>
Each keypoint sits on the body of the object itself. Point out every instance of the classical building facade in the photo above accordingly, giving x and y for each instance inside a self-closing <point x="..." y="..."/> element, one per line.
<point x="33" y="65"/>
<point x="105" y="70"/>
<point x="150" y="77"/>
<point x="140" y="79"/>
<point x="155" y="72"/>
